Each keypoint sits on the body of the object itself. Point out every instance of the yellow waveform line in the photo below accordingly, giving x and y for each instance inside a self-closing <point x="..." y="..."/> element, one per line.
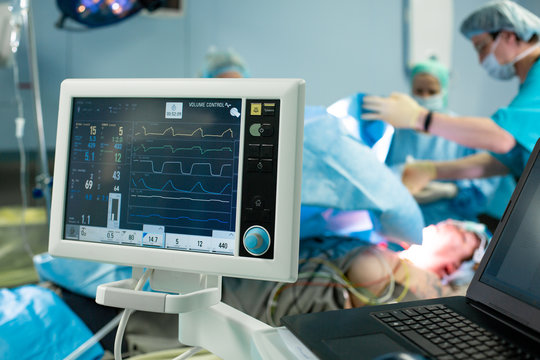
<point x="171" y="129"/>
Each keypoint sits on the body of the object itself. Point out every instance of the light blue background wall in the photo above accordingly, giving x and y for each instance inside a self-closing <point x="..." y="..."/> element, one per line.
<point x="338" y="47"/>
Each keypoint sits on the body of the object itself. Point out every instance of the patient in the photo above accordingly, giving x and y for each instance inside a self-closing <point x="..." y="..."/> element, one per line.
<point x="343" y="272"/>
<point x="422" y="270"/>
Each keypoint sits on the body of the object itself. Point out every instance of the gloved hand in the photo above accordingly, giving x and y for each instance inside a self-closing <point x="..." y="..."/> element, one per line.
<point x="399" y="110"/>
<point x="417" y="175"/>
<point x="435" y="191"/>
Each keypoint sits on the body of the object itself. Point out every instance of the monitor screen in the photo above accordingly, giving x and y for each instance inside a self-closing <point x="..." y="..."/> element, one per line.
<point x="158" y="172"/>
<point x="193" y="175"/>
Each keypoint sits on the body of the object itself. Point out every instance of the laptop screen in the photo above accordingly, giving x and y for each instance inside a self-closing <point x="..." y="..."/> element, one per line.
<point x="514" y="266"/>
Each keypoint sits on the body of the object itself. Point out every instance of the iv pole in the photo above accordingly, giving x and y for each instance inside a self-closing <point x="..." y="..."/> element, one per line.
<point x="23" y="17"/>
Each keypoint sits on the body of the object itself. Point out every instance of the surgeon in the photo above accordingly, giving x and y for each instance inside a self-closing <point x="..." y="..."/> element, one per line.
<point x="223" y="64"/>
<point x="464" y="199"/>
<point x="506" y="38"/>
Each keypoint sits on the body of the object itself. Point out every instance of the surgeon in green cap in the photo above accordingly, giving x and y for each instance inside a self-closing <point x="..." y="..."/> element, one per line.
<point x="223" y="64"/>
<point x="429" y="84"/>
<point x="506" y="38"/>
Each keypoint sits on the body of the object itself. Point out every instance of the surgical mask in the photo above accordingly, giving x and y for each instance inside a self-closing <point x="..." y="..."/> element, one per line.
<point x="432" y="103"/>
<point x="503" y="71"/>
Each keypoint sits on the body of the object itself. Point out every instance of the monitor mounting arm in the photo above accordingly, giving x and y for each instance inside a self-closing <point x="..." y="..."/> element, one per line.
<point x="204" y="320"/>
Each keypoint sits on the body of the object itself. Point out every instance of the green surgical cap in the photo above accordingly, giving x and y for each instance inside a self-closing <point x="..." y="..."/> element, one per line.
<point x="437" y="70"/>
<point x="501" y="15"/>
<point x="217" y="62"/>
<point x="434" y="68"/>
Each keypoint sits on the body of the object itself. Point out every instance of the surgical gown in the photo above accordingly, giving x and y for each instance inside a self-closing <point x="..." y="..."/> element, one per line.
<point x="521" y="118"/>
<point x="344" y="176"/>
<point x="474" y="196"/>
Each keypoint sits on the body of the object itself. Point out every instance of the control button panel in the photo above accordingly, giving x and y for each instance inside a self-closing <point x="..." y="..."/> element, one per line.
<point x="256" y="240"/>
<point x="259" y="175"/>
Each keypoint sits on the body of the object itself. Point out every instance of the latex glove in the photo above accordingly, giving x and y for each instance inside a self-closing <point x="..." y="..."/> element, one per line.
<point x="435" y="191"/>
<point x="417" y="175"/>
<point x="399" y="110"/>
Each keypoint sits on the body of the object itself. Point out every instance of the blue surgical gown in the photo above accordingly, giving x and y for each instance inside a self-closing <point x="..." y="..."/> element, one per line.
<point x="521" y="118"/>
<point x="474" y="196"/>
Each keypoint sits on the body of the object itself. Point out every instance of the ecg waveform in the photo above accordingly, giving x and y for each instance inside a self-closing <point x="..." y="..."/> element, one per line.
<point x="178" y="218"/>
<point x="174" y="150"/>
<point x="181" y="198"/>
<point x="182" y="172"/>
<point x="174" y="133"/>
<point x="182" y="175"/>
<point x="192" y="190"/>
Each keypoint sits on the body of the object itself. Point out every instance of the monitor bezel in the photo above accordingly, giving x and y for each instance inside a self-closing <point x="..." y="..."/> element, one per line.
<point x="284" y="265"/>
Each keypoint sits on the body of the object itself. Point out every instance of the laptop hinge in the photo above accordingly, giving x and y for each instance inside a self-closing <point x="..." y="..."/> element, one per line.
<point x="501" y="317"/>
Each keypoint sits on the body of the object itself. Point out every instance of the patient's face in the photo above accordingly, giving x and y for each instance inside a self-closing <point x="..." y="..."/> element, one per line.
<point x="445" y="247"/>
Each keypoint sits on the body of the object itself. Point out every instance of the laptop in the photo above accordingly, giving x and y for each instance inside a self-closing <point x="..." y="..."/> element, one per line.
<point x="499" y="318"/>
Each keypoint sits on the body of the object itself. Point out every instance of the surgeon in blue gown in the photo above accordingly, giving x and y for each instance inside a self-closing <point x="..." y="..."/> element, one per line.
<point x="506" y="38"/>
<point x="460" y="200"/>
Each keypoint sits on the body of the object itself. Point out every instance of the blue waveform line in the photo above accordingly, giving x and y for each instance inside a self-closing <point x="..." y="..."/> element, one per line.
<point x="178" y="218"/>
<point x="182" y="167"/>
<point x="180" y="198"/>
<point x="180" y="190"/>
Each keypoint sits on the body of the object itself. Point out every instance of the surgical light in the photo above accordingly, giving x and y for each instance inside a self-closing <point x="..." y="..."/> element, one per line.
<point x="96" y="13"/>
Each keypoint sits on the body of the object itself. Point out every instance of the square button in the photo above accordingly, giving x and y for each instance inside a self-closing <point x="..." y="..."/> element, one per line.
<point x="254" y="165"/>
<point x="253" y="150"/>
<point x="256" y="109"/>
<point x="267" y="165"/>
<point x="266" y="130"/>
<point x="267" y="151"/>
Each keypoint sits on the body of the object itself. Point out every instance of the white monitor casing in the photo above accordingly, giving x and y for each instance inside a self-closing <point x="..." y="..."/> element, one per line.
<point x="283" y="265"/>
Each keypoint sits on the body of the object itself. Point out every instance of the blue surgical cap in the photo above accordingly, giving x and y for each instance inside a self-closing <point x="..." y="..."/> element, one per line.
<point x="218" y="62"/>
<point x="501" y="15"/>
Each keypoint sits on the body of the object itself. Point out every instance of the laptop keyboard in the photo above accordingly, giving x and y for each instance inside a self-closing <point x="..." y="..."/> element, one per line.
<point x="446" y="335"/>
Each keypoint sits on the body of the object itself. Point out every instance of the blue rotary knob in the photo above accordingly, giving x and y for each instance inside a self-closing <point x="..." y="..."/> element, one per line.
<point x="256" y="240"/>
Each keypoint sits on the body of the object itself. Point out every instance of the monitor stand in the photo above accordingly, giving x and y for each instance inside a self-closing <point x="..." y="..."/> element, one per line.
<point x="203" y="319"/>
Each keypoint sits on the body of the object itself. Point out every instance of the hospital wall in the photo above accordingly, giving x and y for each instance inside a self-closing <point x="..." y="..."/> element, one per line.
<point x="338" y="47"/>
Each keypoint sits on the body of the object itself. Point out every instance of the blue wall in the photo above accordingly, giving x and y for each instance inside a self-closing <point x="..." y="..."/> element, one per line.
<point x="338" y="47"/>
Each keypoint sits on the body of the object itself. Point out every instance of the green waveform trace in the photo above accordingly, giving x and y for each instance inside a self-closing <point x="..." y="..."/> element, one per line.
<point x="171" y="129"/>
<point x="174" y="150"/>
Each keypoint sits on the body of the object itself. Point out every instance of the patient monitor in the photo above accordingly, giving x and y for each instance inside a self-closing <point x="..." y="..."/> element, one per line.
<point x="195" y="178"/>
